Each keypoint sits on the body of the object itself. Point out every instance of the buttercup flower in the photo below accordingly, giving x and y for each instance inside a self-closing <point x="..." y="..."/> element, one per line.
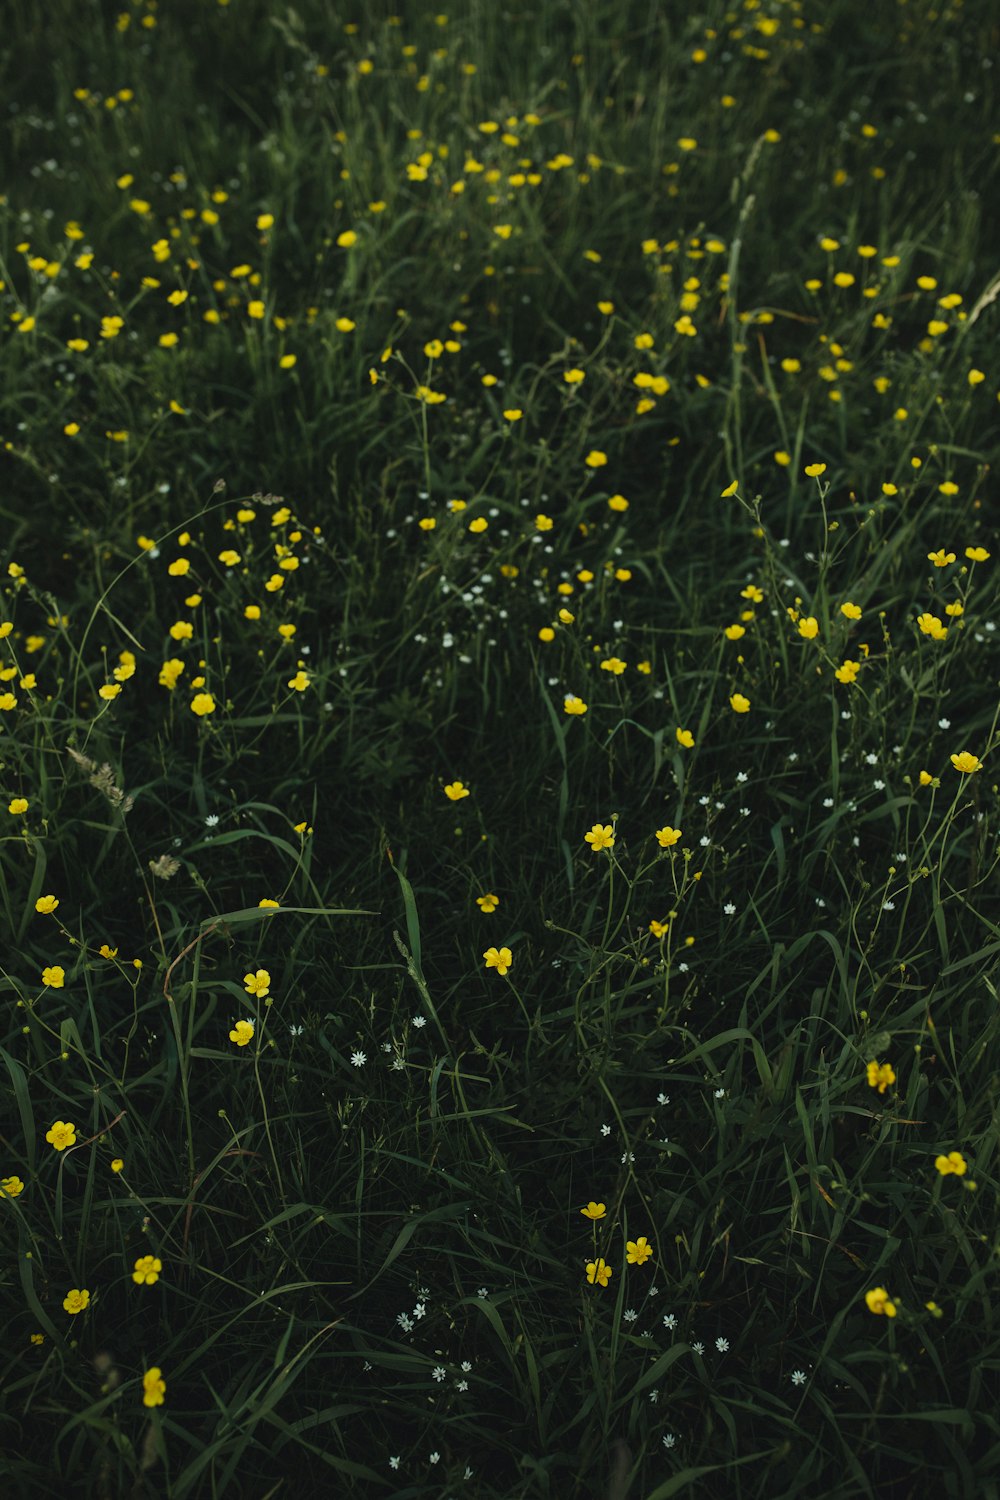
<point x="488" y="903"/>
<point x="667" y="836"/>
<point x="61" y="1134"/>
<point x="880" y="1076"/>
<point x="257" y="984"/>
<point x="966" y="762"/>
<point x="879" y="1301"/>
<point x="46" y="904"/>
<point x="954" y="1163"/>
<point x="600" y="837"/>
<point x="147" y="1270"/>
<point x="154" y="1387"/>
<point x="598" y="1271"/>
<point x="242" y="1033"/>
<point x="638" y="1251"/>
<point x="11" y="1187"/>
<point x="455" y="791"/>
<point x="76" y="1300"/>
<point x="594" y="1210"/>
<point x="499" y="959"/>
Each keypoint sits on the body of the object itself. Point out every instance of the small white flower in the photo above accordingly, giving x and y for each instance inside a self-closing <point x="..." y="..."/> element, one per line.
<point x="211" y="820"/>
<point x="729" y="909"/>
<point x="654" y="1291"/>
<point x="888" y="906"/>
<point x="296" y="1030"/>
<point x="654" y="1396"/>
<point x="946" y="723"/>
<point x="668" y="1440"/>
<point x="698" y="1348"/>
<point x="438" y="1373"/>
<point x="628" y="1156"/>
<point x="466" y="1365"/>
<point x="433" y="1458"/>
<point x="461" y="1385"/>
<point x="419" y="1310"/>
<point x="744" y="812"/>
<point x="663" y="1098"/>
<point x="720" y="1093"/>
<point x="405" y="1322"/>
<point x="722" y="1345"/>
<point x="418" y="1021"/>
<point x="827" y="801"/>
<point x="741" y="776"/>
<point x="605" y="1129"/>
<point x="879" y="785"/>
<point x="468" y="1472"/>
<point x="358" y="1059"/>
<point x="669" y="1321"/>
<point x="798" y="1377"/>
<point x="704" y="841"/>
<point x="394" y="1462"/>
<point x="683" y="968"/>
<point x="871" y="759"/>
<point x="483" y="1292"/>
<point x="630" y="1314"/>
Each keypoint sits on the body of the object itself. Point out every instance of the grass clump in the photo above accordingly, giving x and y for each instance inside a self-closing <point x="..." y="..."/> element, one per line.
<point x="499" y="617"/>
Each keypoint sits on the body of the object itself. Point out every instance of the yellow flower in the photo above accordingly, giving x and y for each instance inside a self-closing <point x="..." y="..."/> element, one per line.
<point x="880" y="1077"/>
<point x="11" y="1187"/>
<point x="685" y="738"/>
<point x="851" y="611"/>
<point x="668" y="836"/>
<point x="596" y="459"/>
<point x="147" y="1270"/>
<point x="202" y="704"/>
<point x="117" y="1165"/>
<point x="242" y="1033"/>
<point x="76" y="1300"/>
<point x="455" y="791"/>
<point x="847" y="671"/>
<point x="954" y="1163"/>
<point x="977" y="554"/>
<point x="18" y="805"/>
<point x="594" y="1210"/>
<point x="257" y="984"/>
<point x="601" y="836"/>
<point x="966" y="762"/>
<point x="941" y="558"/>
<point x="599" y="1271"/>
<point x="879" y="1301"/>
<point x="54" y="976"/>
<point x="46" y="904"/>
<point x="730" y="489"/>
<point x="499" y="959"/>
<point x="574" y="705"/>
<point x="153" y="1387"/>
<point x="815" y="470"/>
<point x="739" y="704"/>
<point x="488" y="903"/>
<point x="638" y="1251"/>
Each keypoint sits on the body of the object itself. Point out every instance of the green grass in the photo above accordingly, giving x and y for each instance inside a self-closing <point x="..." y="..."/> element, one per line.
<point x="373" y="1261"/>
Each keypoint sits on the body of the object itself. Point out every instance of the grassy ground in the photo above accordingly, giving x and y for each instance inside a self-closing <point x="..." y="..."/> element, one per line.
<point x="499" y="549"/>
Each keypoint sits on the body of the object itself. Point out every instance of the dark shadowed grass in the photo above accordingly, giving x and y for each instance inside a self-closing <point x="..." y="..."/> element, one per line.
<point x="441" y="339"/>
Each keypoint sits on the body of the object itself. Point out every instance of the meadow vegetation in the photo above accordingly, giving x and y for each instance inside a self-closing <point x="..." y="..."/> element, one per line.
<point x="499" y="829"/>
